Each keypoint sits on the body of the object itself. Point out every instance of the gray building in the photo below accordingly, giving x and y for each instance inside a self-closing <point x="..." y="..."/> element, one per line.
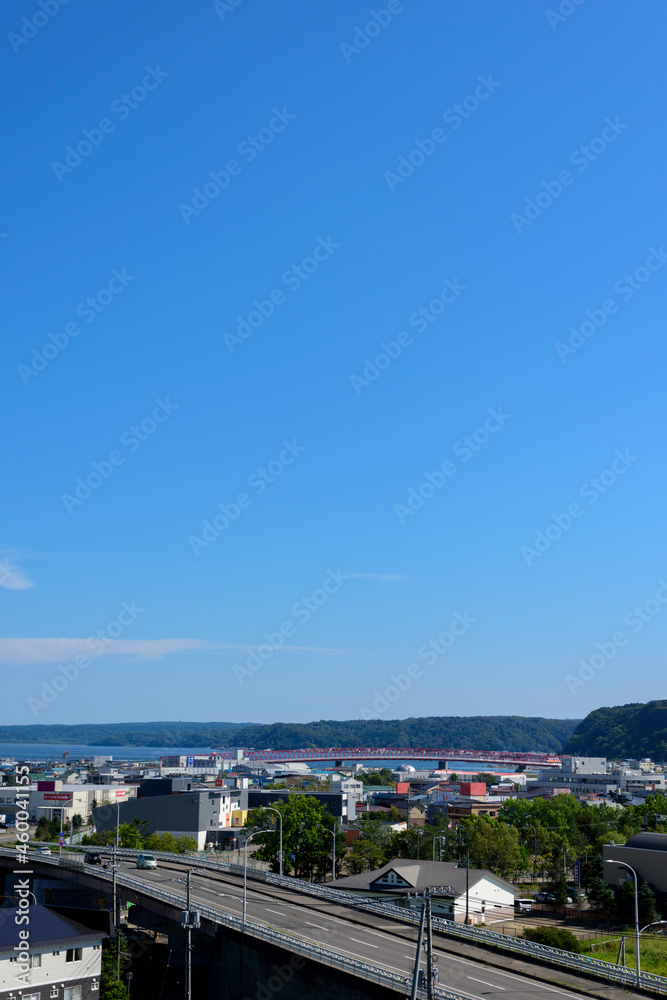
<point x="176" y="806"/>
<point x="341" y="805"/>
<point x="592" y="775"/>
<point x="646" y="853"/>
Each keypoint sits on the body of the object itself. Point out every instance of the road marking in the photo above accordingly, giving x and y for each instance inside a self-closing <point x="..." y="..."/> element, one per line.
<point x="366" y="943"/>
<point x="319" y="926"/>
<point x="279" y="912"/>
<point x="484" y="983"/>
<point x="509" y="975"/>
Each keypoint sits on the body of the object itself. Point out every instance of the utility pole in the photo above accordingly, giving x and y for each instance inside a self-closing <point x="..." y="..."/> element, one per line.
<point x="116" y="920"/>
<point x="188" y="946"/>
<point x="418" y="954"/>
<point x="429" y="949"/>
<point x="333" y="853"/>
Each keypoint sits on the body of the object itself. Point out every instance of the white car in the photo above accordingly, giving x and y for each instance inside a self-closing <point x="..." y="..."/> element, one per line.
<point x="43" y="850"/>
<point x="146" y="861"/>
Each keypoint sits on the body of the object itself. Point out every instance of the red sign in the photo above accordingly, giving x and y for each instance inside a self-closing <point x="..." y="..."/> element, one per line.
<point x="57" y="796"/>
<point x="219" y="782"/>
<point x="120" y="795"/>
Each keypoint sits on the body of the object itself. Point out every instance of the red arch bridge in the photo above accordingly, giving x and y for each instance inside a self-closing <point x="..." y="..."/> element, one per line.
<point x="339" y="754"/>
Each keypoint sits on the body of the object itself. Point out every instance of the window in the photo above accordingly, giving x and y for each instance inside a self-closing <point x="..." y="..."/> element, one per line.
<point x="31" y="996"/>
<point x="34" y="961"/>
<point x="73" y="992"/>
<point x="73" y="955"/>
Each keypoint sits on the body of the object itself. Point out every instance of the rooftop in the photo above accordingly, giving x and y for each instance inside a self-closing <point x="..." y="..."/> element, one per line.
<point x="48" y="929"/>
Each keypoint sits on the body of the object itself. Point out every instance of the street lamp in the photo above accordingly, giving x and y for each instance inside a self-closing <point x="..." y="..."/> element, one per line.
<point x="623" y="864"/>
<point x="249" y="836"/>
<point x="280" y="817"/>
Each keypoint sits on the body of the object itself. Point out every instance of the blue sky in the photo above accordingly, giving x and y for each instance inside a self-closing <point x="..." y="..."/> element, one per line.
<point x="497" y="165"/>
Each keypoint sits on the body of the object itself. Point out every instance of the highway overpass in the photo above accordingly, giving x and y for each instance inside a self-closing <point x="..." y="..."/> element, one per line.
<point x="367" y="952"/>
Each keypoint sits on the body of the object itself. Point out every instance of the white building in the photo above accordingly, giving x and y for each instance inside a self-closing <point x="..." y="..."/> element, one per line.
<point x="63" y="958"/>
<point x="586" y="775"/>
<point x="487" y="898"/>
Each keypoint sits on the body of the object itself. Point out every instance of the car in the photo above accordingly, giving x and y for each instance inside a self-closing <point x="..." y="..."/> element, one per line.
<point x="548" y="897"/>
<point x="93" y="858"/>
<point x="146" y="861"/>
<point x="523" y="905"/>
<point x="43" y="850"/>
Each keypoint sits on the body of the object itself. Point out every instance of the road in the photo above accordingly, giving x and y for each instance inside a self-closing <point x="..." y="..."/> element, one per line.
<point x="385" y="942"/>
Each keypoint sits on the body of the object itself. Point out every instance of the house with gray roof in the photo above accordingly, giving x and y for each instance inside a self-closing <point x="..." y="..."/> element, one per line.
<point x="489" y="897"/>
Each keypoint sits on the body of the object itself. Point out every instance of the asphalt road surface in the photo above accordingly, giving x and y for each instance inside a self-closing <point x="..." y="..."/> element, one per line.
<point x="369" y="938"/>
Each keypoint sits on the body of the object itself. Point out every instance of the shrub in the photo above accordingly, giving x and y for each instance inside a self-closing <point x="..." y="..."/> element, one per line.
<point x="555" y="937"/>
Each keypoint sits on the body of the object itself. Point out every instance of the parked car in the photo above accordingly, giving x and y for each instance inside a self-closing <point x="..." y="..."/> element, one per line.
<point x="93" y="858"/>
<point x="548" y="897"/>
<point x="43" y="850"/>
<point x="146" y="861"/>
<point x="523" y="905"/>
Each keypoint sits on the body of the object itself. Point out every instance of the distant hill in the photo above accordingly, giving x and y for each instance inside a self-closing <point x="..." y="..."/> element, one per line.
<point x="634" y="730"/>
<point x="491" y="732"/>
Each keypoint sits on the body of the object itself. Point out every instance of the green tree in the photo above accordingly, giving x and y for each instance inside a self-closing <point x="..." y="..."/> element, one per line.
<point x="111" y="987"/>
<point x="600" y="895"/>
<point x="648" y="910"/>
<point x="487" y="778"/>
<point x="307" y="837"/>
<point x="494" y="845"/>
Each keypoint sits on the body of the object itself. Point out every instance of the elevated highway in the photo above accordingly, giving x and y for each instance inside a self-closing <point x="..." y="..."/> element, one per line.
<point x="373" y="946"/>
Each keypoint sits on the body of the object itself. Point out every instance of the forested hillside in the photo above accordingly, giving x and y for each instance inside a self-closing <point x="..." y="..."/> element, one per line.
<point x="633" y="730"/>
<point x="501" y="732"/>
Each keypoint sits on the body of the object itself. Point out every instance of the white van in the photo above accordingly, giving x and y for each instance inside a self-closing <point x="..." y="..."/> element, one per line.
<point x="523" y="905"/>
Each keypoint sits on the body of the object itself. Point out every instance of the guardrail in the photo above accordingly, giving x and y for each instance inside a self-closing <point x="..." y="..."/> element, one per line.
<point x="474" y="935"/>
<point x="356" y="967"/>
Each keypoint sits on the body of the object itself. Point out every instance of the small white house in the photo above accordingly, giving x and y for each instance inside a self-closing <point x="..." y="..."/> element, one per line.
<point x="57" y="957"/>
<point x="486" y="898"/>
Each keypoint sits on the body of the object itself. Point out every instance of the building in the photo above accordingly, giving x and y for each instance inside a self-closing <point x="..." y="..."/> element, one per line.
<point x="177" y="806"/>
<point x="52" y="797"/>
<point x="63" y="960"/>
<point x="646" y="853"/>
<point x="341" y="805"/>
<point x="586" y="775"/>
<point x="489" y="897"/>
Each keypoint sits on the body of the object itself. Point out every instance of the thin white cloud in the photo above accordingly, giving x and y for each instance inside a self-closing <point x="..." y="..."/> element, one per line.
<point x="34" y="651"/>
<point x="382" y="577"/>
<point x="13" y="578"/>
